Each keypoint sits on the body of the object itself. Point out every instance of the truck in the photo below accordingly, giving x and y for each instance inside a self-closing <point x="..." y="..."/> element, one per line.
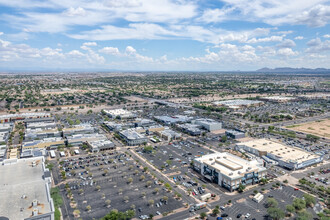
<point x="52" y="154"/>
<point x="197" y="206"/>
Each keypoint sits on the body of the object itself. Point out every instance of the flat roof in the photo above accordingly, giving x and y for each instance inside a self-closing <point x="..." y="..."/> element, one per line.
<point x="285" y="153"/>
<point x="237" y="102"/>
<point x="20" y="185"/>
<point x="230" y="165"/>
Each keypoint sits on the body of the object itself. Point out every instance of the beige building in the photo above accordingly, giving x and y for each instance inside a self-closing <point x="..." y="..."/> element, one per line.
<point x="286" y="156"/>
<point x="229" y="171"/>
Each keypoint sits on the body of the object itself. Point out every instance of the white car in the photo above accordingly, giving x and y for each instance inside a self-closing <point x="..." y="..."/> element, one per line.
<point x="247" y="215"/>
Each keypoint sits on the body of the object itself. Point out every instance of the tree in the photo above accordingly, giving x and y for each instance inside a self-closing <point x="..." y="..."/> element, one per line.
<point x="309" y="199"/>
<point x="165" y="198"/>
<point x="126" y="198"/>
<point x="145" y="169"/>
<point x="143" y="194"/>
<point x="290" y="209"/>
<point x="275" y="213"/>
<point x="81" y="191"/>
<point x="215" y="211"/>
<point x="98" y="188"/>
<point x="299" y="204"/>
<point x="88" y="208"/>
<point x="142" y="177"/>
<point x="156" y="190"/>
<point x="271" y="202"/>
<point x="149" y="183"/>
<point x="130" y="180"/>
<point x="224" y="138"/>
<point x="108" y="202"/>
<point x="304" y="215"/>
<point x="151" y="202"/>
<point x="241" y="188"/>
<point x="203" y="215"/>
<point x="120" y="191"/>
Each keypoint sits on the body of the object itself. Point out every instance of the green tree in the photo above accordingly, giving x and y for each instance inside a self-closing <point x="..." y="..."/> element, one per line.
<point x="290" y="209"/>
<point x="309" y="199"/>
<point x="241" y="188"/>
<point x="299" y="204"/>
<point x="275" y="213"/>
<point x="203" y="215"/>
<point x="271" y="202"/>
<point x="304" y="215"/>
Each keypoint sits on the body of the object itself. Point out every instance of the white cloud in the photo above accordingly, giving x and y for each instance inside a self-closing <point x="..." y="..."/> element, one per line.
<point x="287" y="52"/>
<point x="76" y="53"/>
<point x="130" y="50"/>
<point x="110" y="50"/>
<point x="216" y="15"/>
<point x="318" y="46"/>
<point x="287" y="43"/>
<point x="299" y="38"/>
<point x="277" y="12"/>
<point x="326" y="36"/>
<point x="75" y="12"/>
<point x="266" y="39"/>
<point x="90" y="44"/>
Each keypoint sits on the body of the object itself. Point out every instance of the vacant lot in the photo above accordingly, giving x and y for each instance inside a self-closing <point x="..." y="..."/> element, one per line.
<point x="320" y="128"/>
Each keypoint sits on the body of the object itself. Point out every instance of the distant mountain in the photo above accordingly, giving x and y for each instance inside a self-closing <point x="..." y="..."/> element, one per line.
<point x="292" y="70"/>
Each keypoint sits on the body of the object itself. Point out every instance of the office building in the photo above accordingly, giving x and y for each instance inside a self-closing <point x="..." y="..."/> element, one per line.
<point x="100" y="145"/>
<point x="192" y="129"/>
<point x="238" y="103"/>
<point x="46" y="143"/>
<point x="132" y="137"/>
<point x="235" y="134"/>
<point x="23" y="116"/>
<point x="229" y="171"/>
<point x="168" y="134"/>
<point x="78" y="129"/>
<point x="209" y="124"/>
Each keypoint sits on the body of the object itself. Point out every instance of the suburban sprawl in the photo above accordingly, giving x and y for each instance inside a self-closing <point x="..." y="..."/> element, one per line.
<point x="169" y="146"/>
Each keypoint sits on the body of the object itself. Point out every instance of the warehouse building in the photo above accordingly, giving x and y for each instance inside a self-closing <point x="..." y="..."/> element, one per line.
<point x="209" y="124"/>
<point x="289" y="157"/>
<point x="170" y="120"/>
<point x="132" y="137"/>
<point x="119" y="113"/>
<point x="229" y="171"/>
<point x="113" y="126"/>
<point x="25" y="190"/>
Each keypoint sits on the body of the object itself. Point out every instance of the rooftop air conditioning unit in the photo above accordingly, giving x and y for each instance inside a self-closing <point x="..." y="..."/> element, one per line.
<point x="35" y="203"/>
<point x="230" y="174"/>
<point x="35" y="212"/>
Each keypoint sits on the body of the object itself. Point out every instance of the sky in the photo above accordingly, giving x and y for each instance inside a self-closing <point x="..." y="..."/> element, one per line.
<point x="163" y="35"/>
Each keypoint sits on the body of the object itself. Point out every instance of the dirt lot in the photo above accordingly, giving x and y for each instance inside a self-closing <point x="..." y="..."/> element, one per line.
<point x="319" y="128"/>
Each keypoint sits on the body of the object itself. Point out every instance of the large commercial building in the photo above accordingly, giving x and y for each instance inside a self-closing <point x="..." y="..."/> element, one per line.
<point x="41" y="125"/>
<point x="78" y="129"/>
<point x="169" y="120"/>
<point x="100" y="145"/>
<point x="235" y="134"/>
<point x="46" y="143"/>
<point x="113" y="126"/>
<point x="229" y="171"/>
<point x="32" y="134"/>
<point x="132" y="137"/>
<point x="209" y="124"/>
<point x="288" y="157"/>
<point x="238" y="103"/>
<point x="191" y="129"/>
<point x="79" y="139"/>
<point x="25" y="190"/>
<point x="23" y="116"/>
<point x="119" y="113"/>
<point x="168" y="134"/>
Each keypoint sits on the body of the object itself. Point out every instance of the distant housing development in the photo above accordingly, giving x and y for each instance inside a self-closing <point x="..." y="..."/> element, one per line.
<point x="278" y="99"/>
<point x="229" y="171"/>
<point x="25" y="190"/>
<point x="288" y="157"/>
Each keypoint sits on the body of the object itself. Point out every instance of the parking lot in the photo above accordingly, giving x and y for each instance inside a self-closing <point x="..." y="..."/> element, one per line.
<point x="244" y="204"/>
<point x="175" y="157"/>
<point x="95" y="179"/>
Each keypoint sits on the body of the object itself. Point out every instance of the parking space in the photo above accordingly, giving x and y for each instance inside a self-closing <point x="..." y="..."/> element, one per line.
<point x="96" y="184"/>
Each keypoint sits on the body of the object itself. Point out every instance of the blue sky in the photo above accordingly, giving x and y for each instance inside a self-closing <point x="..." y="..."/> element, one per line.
<point x="164" y="35"/>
